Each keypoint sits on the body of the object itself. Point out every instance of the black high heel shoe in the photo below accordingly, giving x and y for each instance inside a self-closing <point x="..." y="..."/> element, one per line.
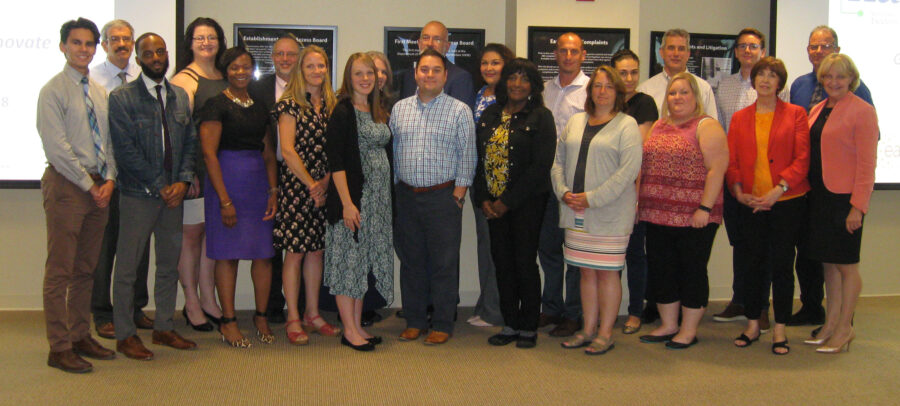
<point x="206" y="327"/>
<point x="215" y="320"/>
<point x="368" y="346"/>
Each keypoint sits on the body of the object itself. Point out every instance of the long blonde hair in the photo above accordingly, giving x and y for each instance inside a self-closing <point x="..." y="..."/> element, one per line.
<point x="296" y="87"/>
<point x="695" y="88"/>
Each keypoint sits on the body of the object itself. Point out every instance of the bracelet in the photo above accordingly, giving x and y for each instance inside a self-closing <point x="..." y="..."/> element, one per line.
<point x="225" y="204"/>
<point x="704" y="208"/>
<point x="274" y="191"/>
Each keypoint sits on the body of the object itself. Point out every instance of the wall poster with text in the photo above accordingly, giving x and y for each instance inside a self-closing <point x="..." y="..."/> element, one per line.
<point x="600" y="44"/>
<point x="259" y="39"/>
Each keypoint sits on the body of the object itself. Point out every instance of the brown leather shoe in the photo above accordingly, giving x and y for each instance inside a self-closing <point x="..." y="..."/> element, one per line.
<point x="546" y="320"/>
<point x="90" y="348"/>
<point x="143" y="322"/>
<point x="436" y="337"/>
<point x="172" y="339"/>
<point x="411" y="334"/>
<point x="68" y="361"/>
<point x="132" y="347"/>
<point x="566" y="328"/>
<point x="106" y="330"/>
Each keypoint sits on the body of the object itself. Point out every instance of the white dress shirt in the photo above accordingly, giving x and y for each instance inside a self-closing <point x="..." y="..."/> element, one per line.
<point x="656" y="88"/>
<point x="564" y="102"/>
<point x="106" y="74"/>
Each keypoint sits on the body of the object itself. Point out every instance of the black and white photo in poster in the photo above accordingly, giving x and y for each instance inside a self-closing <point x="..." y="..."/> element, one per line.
<point x="401" y="45"/>
<point x="600" y="44"/>
<point x="712" y="55"/>
<point x="258" y="39"/>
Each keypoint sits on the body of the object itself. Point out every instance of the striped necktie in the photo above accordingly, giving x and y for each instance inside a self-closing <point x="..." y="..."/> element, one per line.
<point x="95" y="129"/>
<point x="817" y="96"/>
<point x="121" y="76"/>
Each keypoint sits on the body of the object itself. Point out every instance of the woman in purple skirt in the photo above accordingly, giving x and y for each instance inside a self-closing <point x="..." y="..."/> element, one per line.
<point x="241" y="192"/>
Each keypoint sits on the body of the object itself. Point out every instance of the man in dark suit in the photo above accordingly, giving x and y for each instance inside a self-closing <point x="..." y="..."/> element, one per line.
<point x="267" y="90"/>
<point x="459" y="85"/>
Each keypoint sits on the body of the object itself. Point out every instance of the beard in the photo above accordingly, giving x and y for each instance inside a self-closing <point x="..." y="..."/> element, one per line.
<point x="148" y="70"/>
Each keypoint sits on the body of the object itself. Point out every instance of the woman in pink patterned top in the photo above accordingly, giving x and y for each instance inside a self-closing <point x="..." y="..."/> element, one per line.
<point x="680" y="199"/>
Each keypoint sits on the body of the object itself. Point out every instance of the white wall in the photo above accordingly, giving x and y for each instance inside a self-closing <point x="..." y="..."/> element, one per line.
<point x="22" y="226"/>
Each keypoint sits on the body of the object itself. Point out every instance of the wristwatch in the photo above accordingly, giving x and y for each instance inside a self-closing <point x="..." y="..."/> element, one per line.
<point x="784" y="187"/>
<point x="461" y="201"/>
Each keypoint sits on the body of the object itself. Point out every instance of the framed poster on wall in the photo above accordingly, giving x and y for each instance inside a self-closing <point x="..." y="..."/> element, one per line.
<point x="259" y="39"/>
<point x="712" y="55"/>
<point x="600" y="44"/>
<point x="401" y="45"/>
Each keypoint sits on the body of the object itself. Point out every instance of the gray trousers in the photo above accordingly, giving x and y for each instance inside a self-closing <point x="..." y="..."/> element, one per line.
<point x="138" y="219"/>
<point x="429" y="233"/>
<point x="488" y="305"/>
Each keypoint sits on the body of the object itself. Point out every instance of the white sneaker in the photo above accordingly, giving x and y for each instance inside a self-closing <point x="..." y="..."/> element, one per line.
<point x="478" y="322"/>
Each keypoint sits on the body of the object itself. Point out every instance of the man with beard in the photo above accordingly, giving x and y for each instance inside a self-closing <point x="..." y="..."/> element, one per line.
<point x="117" y="40"/>
<point x="153" y="134"/>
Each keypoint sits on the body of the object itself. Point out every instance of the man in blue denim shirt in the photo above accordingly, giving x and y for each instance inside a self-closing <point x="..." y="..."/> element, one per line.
<point x="158" y="152"/>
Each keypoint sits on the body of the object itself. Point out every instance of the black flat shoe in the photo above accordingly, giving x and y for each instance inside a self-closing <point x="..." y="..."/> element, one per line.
<point x="674" y="345"/>
<point x="205" y="327"/>
<point x="652" y="339"/>
<point x="369" y="318"/>
<point x="502" y="339"/>
<point x="375" y="340"/>
<point x="747" y="340"/>
<point x="215" y="320"/>
<point x="368" y="346"/>
<point x="526" y="341"/>
<point x="781" y="344"/>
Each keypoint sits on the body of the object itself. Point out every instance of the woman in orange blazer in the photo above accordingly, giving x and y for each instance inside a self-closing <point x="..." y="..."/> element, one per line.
<point x="843" y="140"/>
<point x="768" y="143"/>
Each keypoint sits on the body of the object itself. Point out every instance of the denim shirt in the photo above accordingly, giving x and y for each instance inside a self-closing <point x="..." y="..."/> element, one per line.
<point x="136" y="132"/>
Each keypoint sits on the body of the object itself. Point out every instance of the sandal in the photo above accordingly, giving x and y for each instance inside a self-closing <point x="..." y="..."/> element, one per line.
<point x="296" y="337"/>
<point x="242" y="342"/>
<point x="600" y="345"/>
<point x="627" y="329"/>
<point x="265" y="338"/>
<point x="580" y="340"/>
<point x="747" y="340"/>
<point x="325" y="329"/>
<point x="781" y="344"/>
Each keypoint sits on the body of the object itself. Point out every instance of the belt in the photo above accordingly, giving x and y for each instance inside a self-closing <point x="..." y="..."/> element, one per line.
<point x="428" y="188"/>
<point x="95" y="177"/>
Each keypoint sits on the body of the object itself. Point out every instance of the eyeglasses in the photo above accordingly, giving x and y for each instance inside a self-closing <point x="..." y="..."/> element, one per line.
<point x="208" y="38"/>
<point x="743" y="47"/>
<point x="283" y="54"/>
<point x="820" y="47"/>
<point x="158" y="52"/>
<point x="124" y="38"/>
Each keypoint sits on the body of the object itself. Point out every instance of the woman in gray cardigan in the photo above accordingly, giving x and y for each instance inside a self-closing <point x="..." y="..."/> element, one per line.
<point x="598" y="157"/>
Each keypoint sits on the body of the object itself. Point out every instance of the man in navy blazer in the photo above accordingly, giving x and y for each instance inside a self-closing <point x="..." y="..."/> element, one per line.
<point x="459" y="85"/>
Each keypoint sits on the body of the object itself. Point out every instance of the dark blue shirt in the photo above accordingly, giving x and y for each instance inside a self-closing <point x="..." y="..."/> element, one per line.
<point x="803" y="87"/>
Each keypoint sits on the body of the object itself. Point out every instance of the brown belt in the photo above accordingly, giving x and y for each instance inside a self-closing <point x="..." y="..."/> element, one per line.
<point x="428" y="188"/>
<point x="95" y="177"/>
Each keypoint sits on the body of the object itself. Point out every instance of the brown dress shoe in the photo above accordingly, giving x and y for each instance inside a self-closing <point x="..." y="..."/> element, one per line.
<point x="566" y="328"/>
<point x="411" y="334"/>
<point x="68" y="361"/>
<point x="90" y="348"/>
<point x="143" y="322"/>
<point x="106" y="330"/>
<point x="172" y="339"/>
<point x="436" y="337"/>
<point x="546" y="320"/>
<point x="132" y="347"/>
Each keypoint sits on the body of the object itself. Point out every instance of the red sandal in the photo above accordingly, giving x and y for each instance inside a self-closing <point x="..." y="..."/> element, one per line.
<point x="296" y="337"/>
<point x="325" y="329"/>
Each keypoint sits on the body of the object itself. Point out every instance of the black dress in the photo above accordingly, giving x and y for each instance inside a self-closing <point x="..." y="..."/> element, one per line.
<point x="829" y="240"/>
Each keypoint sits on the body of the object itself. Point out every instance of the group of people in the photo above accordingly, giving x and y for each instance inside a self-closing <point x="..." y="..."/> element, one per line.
<point x="319" y="188"/>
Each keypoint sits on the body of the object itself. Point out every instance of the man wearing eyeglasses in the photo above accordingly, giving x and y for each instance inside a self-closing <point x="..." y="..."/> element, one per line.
<point x="734" y="93"/>
<point x="806" y="91"/>
<point x="459" y="85"/>
<point x="675" y="53"/>
<point x="117" y="40"/>
<point x="267" y="90"/>
<point x="155" y="143"/>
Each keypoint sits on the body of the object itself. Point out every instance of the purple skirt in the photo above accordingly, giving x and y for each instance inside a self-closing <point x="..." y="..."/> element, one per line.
<point x="246" y="181"/>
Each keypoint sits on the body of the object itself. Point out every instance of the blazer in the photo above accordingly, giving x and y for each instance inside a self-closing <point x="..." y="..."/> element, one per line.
<point x="263" y="90"/>
<point x="849" y="148"/>
<point x="532" y="141"/>
<point x="136" y="132"/>
<point x="613" y="163"/>
<point x="788" y="150"/>
<point x="342" y="150"/>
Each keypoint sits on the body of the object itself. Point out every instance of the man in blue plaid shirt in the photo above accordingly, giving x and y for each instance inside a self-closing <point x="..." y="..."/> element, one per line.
<point x="434" y="163"/>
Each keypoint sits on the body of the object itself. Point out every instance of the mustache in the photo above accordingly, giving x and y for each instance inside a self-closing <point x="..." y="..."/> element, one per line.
<point x="122" y="49"/>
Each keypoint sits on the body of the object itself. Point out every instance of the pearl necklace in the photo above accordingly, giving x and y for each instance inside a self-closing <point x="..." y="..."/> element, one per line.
<point x="238" y="101"/>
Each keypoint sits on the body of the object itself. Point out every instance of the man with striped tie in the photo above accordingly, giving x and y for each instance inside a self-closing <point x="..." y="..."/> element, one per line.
<point x="76" y="187"/>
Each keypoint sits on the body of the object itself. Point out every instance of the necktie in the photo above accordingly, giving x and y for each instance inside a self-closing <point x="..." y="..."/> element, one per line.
<point x="95" y="129"/>
<point x="121" y="76"/>
<point x="817" y="96"/>
<point x="167" y="160"/>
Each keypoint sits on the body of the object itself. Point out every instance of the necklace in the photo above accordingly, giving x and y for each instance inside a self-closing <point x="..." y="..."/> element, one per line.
<point x="238" y="101"/>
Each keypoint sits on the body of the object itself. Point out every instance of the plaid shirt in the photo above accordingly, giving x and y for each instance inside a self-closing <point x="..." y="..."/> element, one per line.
<point x="733" y="93"/>
<point x="434" y="142"/>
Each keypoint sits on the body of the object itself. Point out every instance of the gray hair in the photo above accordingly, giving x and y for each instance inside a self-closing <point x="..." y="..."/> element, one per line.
<point x="825" y="28"/>
<point x="115" y="24"/>
<point x="677" y="32"/>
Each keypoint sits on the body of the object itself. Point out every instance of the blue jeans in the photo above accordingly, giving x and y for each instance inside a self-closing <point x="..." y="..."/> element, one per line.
<point x="550" y="254"/>
<point x="636" y="269"/>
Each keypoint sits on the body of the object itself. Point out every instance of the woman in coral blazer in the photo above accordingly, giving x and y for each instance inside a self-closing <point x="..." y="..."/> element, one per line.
<point x="768" y="144"/>
<point x="843" y="140"/>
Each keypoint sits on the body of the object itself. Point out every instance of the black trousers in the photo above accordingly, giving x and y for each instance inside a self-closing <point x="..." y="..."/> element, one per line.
<point x="514" y="244"/>
<point x="770" y="238"/>
<point x="676" y="263"/>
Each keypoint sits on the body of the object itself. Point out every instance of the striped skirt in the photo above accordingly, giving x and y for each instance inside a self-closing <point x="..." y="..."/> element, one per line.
<point x="606" y="253"/>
